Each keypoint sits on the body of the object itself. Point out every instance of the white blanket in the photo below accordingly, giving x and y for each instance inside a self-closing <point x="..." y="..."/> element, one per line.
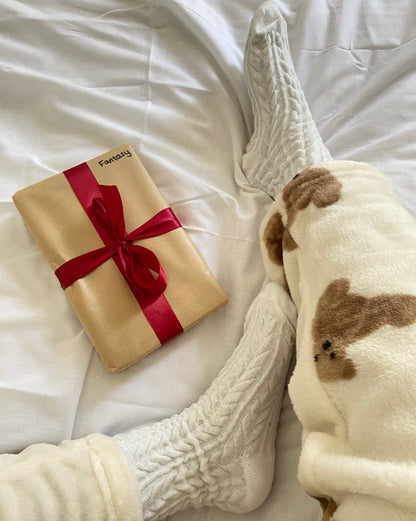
<point x="80" y="77"/>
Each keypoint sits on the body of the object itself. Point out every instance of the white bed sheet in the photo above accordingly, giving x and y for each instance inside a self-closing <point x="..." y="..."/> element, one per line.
<point x="80" y="77"/>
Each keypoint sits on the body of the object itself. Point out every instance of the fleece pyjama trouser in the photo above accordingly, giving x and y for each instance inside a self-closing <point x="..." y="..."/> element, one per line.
<point x="87" y="479"/>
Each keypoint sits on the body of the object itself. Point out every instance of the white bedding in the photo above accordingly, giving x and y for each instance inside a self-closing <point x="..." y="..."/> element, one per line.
<point x="80" y="77"/>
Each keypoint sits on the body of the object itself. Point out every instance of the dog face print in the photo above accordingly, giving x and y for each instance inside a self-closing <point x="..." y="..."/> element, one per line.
<point x="315" y="186"/>
<point x="342" y="317"/>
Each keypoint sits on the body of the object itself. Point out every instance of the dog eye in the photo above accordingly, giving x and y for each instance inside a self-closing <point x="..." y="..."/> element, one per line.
<point x="326" y="345"/>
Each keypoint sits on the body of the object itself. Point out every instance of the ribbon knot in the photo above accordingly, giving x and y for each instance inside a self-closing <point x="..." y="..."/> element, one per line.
<point x="139" y="265"/>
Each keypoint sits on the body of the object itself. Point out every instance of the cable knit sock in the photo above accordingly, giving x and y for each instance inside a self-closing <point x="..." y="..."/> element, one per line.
<point x="285" y="140"/>
<point x="220" y="450"/>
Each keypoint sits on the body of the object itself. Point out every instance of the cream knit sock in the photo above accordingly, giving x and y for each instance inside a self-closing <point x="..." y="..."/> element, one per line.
<point x="285" y="140"/>
<point x="220" y="450"/>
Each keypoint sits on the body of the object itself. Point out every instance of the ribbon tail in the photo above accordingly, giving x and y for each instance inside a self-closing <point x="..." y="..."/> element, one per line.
<point x="80" y="266"/>
<point x="140" y="263"/>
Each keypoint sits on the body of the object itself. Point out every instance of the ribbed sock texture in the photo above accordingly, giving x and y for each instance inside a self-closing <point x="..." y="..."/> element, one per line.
<point x="220" y="450"/>
<point x="285" y="140"/>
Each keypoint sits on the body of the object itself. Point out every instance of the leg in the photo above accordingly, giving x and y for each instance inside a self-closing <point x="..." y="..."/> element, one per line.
<point x="77" y="480"/>
<point x="220" y="451"/>
<point x="285" y="139"/>
<point x="347" y="247"/>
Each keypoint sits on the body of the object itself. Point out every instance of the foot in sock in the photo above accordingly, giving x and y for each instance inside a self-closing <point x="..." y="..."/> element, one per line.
<point x="285" y="140"/>
<point x="220" y="450"/>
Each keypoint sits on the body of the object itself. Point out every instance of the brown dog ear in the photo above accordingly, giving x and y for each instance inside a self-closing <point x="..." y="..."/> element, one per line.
<point x="351" y="316"/>
<point x="336" y="314"/>
<point x="395" y="310"/>
<point x="272" y="238"/>
<point x="313" y="185"/>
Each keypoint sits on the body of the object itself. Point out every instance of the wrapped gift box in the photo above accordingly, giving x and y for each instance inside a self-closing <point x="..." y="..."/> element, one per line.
<point x="123" y="319"/>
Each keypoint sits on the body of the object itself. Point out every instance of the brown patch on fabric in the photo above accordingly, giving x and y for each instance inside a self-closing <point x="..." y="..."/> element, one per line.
<point x="288" y="241"/>
<point x="313" y="185"/>
<point x="272" y="238"/>
<point x="342" y="318"/>
<point x="329" y="508"/>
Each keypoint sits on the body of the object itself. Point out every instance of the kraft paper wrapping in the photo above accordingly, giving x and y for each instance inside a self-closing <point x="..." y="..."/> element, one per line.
<point x="102" y="300"/>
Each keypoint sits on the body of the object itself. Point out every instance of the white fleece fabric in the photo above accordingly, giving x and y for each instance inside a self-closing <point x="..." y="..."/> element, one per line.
<point x="89" y="478"/>
<point x="348" y="248"/>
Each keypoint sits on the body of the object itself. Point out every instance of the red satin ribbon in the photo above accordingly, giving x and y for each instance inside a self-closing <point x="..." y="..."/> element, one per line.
<point x="137" y="264"/>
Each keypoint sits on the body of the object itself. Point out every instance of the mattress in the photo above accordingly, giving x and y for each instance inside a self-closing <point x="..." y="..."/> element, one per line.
<point x="78" y="78"/>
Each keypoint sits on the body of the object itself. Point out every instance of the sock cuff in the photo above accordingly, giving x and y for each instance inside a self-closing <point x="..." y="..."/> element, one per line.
<point x="274" y="178"/>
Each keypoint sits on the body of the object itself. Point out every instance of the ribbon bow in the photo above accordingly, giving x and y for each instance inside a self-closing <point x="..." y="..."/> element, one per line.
<point x="139" y="265"/>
